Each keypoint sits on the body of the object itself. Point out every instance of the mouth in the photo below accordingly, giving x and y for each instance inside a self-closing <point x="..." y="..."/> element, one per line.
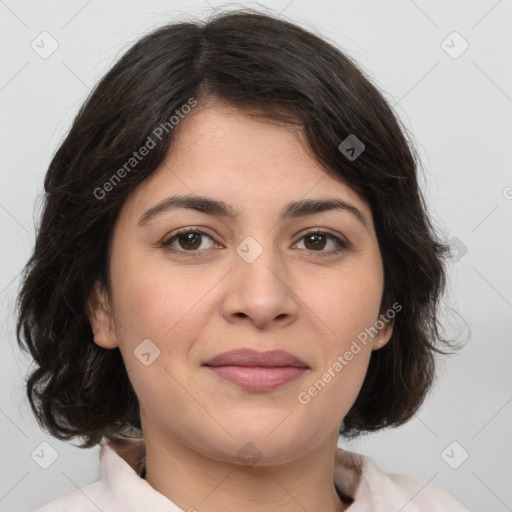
<point x="257" y="371"/>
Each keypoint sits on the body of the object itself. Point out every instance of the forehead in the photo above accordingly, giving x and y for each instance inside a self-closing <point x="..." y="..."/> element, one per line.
<point x="247" y="161"/>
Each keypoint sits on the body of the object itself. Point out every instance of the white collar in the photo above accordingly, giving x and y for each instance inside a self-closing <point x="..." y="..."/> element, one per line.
<point x="354" y="474"/>
<point x="129" y="490"/>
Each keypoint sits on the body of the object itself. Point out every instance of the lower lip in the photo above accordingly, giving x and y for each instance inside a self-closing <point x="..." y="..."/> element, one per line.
<point x="257" y="377"/>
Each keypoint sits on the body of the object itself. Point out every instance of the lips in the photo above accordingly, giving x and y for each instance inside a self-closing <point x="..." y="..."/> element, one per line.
<point x="251" y="358"/>
<point x="257" y="371"/>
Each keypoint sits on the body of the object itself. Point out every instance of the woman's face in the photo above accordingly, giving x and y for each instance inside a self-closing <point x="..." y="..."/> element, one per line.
<point x="256" y="280"/>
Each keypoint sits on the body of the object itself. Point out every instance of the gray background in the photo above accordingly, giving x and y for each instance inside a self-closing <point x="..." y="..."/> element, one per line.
<point x="457" y="106"/>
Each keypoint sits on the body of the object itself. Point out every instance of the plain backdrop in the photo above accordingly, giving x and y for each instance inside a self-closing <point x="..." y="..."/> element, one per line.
<point x="444" y="66"/>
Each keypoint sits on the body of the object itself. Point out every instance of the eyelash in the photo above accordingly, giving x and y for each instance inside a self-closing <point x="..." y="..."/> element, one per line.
<point x="166" y="244"/>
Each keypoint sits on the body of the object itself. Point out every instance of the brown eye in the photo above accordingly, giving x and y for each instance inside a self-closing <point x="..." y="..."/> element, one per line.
<point x="187" y="240"/>
<point x="317" y="241"/>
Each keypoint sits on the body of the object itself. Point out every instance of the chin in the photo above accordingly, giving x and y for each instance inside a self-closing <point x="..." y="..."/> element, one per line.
<point x="257" y="447"/>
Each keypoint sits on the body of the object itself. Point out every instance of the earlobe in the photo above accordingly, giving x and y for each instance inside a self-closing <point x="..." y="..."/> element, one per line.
<point x="100" y="317"/>
<point x="384" y="334"/>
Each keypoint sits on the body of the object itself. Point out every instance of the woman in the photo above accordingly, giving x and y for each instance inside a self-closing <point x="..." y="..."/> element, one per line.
<point x="234" y="266"/>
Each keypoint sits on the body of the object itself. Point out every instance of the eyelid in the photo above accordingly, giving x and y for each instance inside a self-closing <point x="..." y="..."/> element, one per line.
<point x="165" y="243"/>
<point x="323" y="231"/>
<point x="341" y="242"/>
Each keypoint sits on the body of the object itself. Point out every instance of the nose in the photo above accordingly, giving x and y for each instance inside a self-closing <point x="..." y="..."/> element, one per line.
<point x="261" y="292"/>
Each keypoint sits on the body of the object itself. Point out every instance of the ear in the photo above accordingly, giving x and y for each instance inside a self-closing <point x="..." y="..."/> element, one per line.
<point x="385" y="332"/>
<point x="100" y="316"/>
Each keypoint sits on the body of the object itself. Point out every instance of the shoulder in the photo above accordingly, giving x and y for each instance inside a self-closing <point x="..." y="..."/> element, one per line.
<point x="120" y="488"/>
<point x="116" y="475"/>
<point x="86" y="499"/>
<point x="375" y="489"/>
<point x="423" y="495"/>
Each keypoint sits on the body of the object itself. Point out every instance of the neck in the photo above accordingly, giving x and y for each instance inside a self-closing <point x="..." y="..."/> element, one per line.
<point x="196" y="482"/>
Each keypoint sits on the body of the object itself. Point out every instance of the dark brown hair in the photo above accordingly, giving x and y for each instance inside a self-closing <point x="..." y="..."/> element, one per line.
<point x="260" y="64"/>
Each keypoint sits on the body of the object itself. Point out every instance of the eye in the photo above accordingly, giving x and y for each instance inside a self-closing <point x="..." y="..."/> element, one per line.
<point x="189" y="239"/>
<point x="316" y="241"/>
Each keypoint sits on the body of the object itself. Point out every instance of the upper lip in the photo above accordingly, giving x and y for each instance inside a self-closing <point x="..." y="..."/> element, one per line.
<point x="248" y="357"/>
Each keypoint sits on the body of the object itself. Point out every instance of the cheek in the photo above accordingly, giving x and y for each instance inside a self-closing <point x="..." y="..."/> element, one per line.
<point x="351" y="303"/>
<point x="347" y="307"/>
<point x="152" y="297"/>
<point x="158" y="304"/>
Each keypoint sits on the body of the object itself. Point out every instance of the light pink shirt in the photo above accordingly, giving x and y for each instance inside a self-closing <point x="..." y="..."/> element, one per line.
<point x="122" y="489"/>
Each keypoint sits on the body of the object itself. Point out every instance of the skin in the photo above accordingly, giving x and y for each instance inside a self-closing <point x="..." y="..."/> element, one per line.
<point x="305" y="299"/>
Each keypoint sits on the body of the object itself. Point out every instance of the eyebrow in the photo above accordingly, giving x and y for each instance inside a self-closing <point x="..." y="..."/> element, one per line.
<point x="212" y="206"/>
